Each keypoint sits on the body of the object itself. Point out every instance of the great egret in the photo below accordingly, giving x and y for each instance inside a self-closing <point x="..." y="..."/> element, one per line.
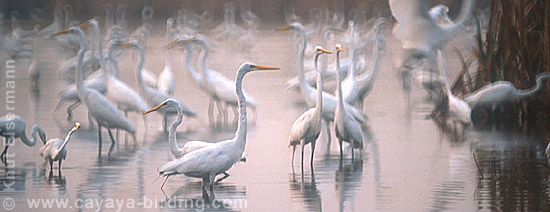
<point x="329" y="101"/>
<point x="210" y="161"/>
<point x="349" y="85"/>
<point x="307" y="127"/>
<point x="346" y="127"/>
<point x="219" y="87"/>
<point x="189" y="146"/>
<point x="12" y="127"/>
<point x="165" y="82"/>
<point x="503" y="91"/>
<point x="152" y="96"/>
<point x="104" y="112"/>
<point x="421" y="34"/>
<point x="365" y="82"/>
<point x="54" y="149"/>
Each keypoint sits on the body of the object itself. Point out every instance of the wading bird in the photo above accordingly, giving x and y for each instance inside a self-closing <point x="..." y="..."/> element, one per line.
<point x="307" y="127"/>
<point x="104" y="112"/>
<point x="151" y="95"/>
<point x="210" y="161"/>
<point x="503" y="91"/>
<point x="54" y="149"/>
<point x="346" y="127"/>
<point x="12" y="127"/>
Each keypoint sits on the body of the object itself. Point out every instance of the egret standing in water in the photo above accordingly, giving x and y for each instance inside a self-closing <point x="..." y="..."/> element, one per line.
<point x="210" y="161"/>
<point x="12" y="127"/>
<point x="54" y="149"/>
<point x="307" y="127"/>
<point x="104" y="112"/>
<point x="346" y="127"/>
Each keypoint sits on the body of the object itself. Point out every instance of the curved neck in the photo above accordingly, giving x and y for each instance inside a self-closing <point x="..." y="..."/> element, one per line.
<point x="204" y="59"/>
<point x="340" y="106"/>
<point x="194" y="74"/>
<point x="79" y="75"/>
<point x="304" y="86"/>
<point x="139" y="77"/>
<point x="319" y="80"/>
<point x="377" y="49"/>
<point x="174" y="148"/>
<point x="99" y="44"/>
<point x="351" y="73"/>
<point x="461" y="19"/>
<point x="240" y="135"/>
<point x="66" y="141"/>
<point x="32" y="142"/>
<point x="534" y="90"/>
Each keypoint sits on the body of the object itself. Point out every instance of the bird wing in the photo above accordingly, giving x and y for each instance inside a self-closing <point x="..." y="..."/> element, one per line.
<point x="353" y="129"/>
<point x="191" y="146"/>
<point x="106" y="113"/>
<point x="409" y="10"/>
<point x="300" y="127"/>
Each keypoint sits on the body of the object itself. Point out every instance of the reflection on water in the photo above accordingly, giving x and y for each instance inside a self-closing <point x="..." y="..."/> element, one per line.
<point x="408" y="164"/>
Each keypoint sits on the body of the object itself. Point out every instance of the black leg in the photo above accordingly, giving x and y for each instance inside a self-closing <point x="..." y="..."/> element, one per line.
<point x="162" y="186"/>
<point x="112" y="142"/>
<point x="70" y="109"/>
<point x="100" y="140"/>
<point x="341" y="150"/>
<point x="312" y="151"/>
<point x="59" y="168"/>
<point x="225" y="175"/>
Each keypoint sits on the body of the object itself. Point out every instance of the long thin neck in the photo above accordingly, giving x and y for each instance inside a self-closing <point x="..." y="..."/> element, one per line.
<point x="26" y="140"/>
<point x="194" y="74"/>
<point x="174" y="148"/>
<point x="79" y="75"/>
<point x="461" y="19"/>
<point x="339" y="83"/>
<point x="99" y="44"/>
<point x="240" y="135"/>
<point x="376" y="63"/>
<point x="351" y="73"/>
<point x="304" y="86"/>
<point x="66" y="141"/>
<point x="204" y="59"/>
<point x="142" y="86"/>
<point x="319" y="80"/>
<point x="534" y="90"/>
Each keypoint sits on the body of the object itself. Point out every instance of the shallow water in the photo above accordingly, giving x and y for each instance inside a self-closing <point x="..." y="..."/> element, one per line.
<point x="408" y="164"/>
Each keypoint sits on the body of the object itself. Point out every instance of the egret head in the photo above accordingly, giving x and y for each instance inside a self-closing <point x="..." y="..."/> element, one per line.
<point x="167" y="103"/>
<point x="70" y="30"/>
<point x="321" y="50"/>
<point x="76" y="126"/>
<point x="293" y="26"/>
<point x="339" y="48"/>
<point x="249" y="67"/>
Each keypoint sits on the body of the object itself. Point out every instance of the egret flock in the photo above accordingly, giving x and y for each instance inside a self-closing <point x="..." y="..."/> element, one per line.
<point x="334" y="90"/>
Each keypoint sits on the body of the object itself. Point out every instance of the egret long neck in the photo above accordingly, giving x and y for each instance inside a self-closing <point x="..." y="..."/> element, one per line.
<point x="319" y="80"/>
<point x="351" y="73"/>
<point x="190" y="69"/>
<point x="340" y="106"/>
<point x="174" y="148"/>
<point x="534" y="90"/>
<point x="240" y="135"/>
<point x="304" y="86"/>
<point x="99" y="45"/>
<point x="462" y="18"/>
<point x="66" y="141"/>
<point x="376" y="51"/>
<point x="142" y="86"/>
<point x="26" y="140"/>
<point x="81" y="88"/>
<point x="204" y="59"/>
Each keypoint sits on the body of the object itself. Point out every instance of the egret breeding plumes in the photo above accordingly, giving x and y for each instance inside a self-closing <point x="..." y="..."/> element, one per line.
<point x="345" y="125"/>
<point x="54" y="149"/>
<point x="307" y="127"/>
<point x="503" y="91"/>
<point x="99" y="107"/>
<point x="12" y="127"/>
<point x="207" y="162"/>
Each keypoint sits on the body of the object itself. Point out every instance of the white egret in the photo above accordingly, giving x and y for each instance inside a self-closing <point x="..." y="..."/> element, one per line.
<point x="349" y="85"/>
<point x="346" y="127"/>
<point x="189" y="146"/>
<point x="165" y="82"/>
<point x="329" y="101"/>
<point x="99" y="107"/>
<point x="503" y="91"/>
<point x="152" y="96"/>
<point x="219" y="87"/>
<point x="307" y="127"/>
<point x="54" y="149"/>
<point x="210" y="161"/>
<point x="12" y="127"/>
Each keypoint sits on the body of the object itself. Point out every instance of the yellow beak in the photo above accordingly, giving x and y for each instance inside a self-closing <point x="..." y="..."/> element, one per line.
<point x="155" y="108"/>
<point x="283" y="29"/>
<point x="60" y="33"/>
<point x="325" y="51"/>
<point x="339" y="48"/>
<point x="260" y="67"/>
